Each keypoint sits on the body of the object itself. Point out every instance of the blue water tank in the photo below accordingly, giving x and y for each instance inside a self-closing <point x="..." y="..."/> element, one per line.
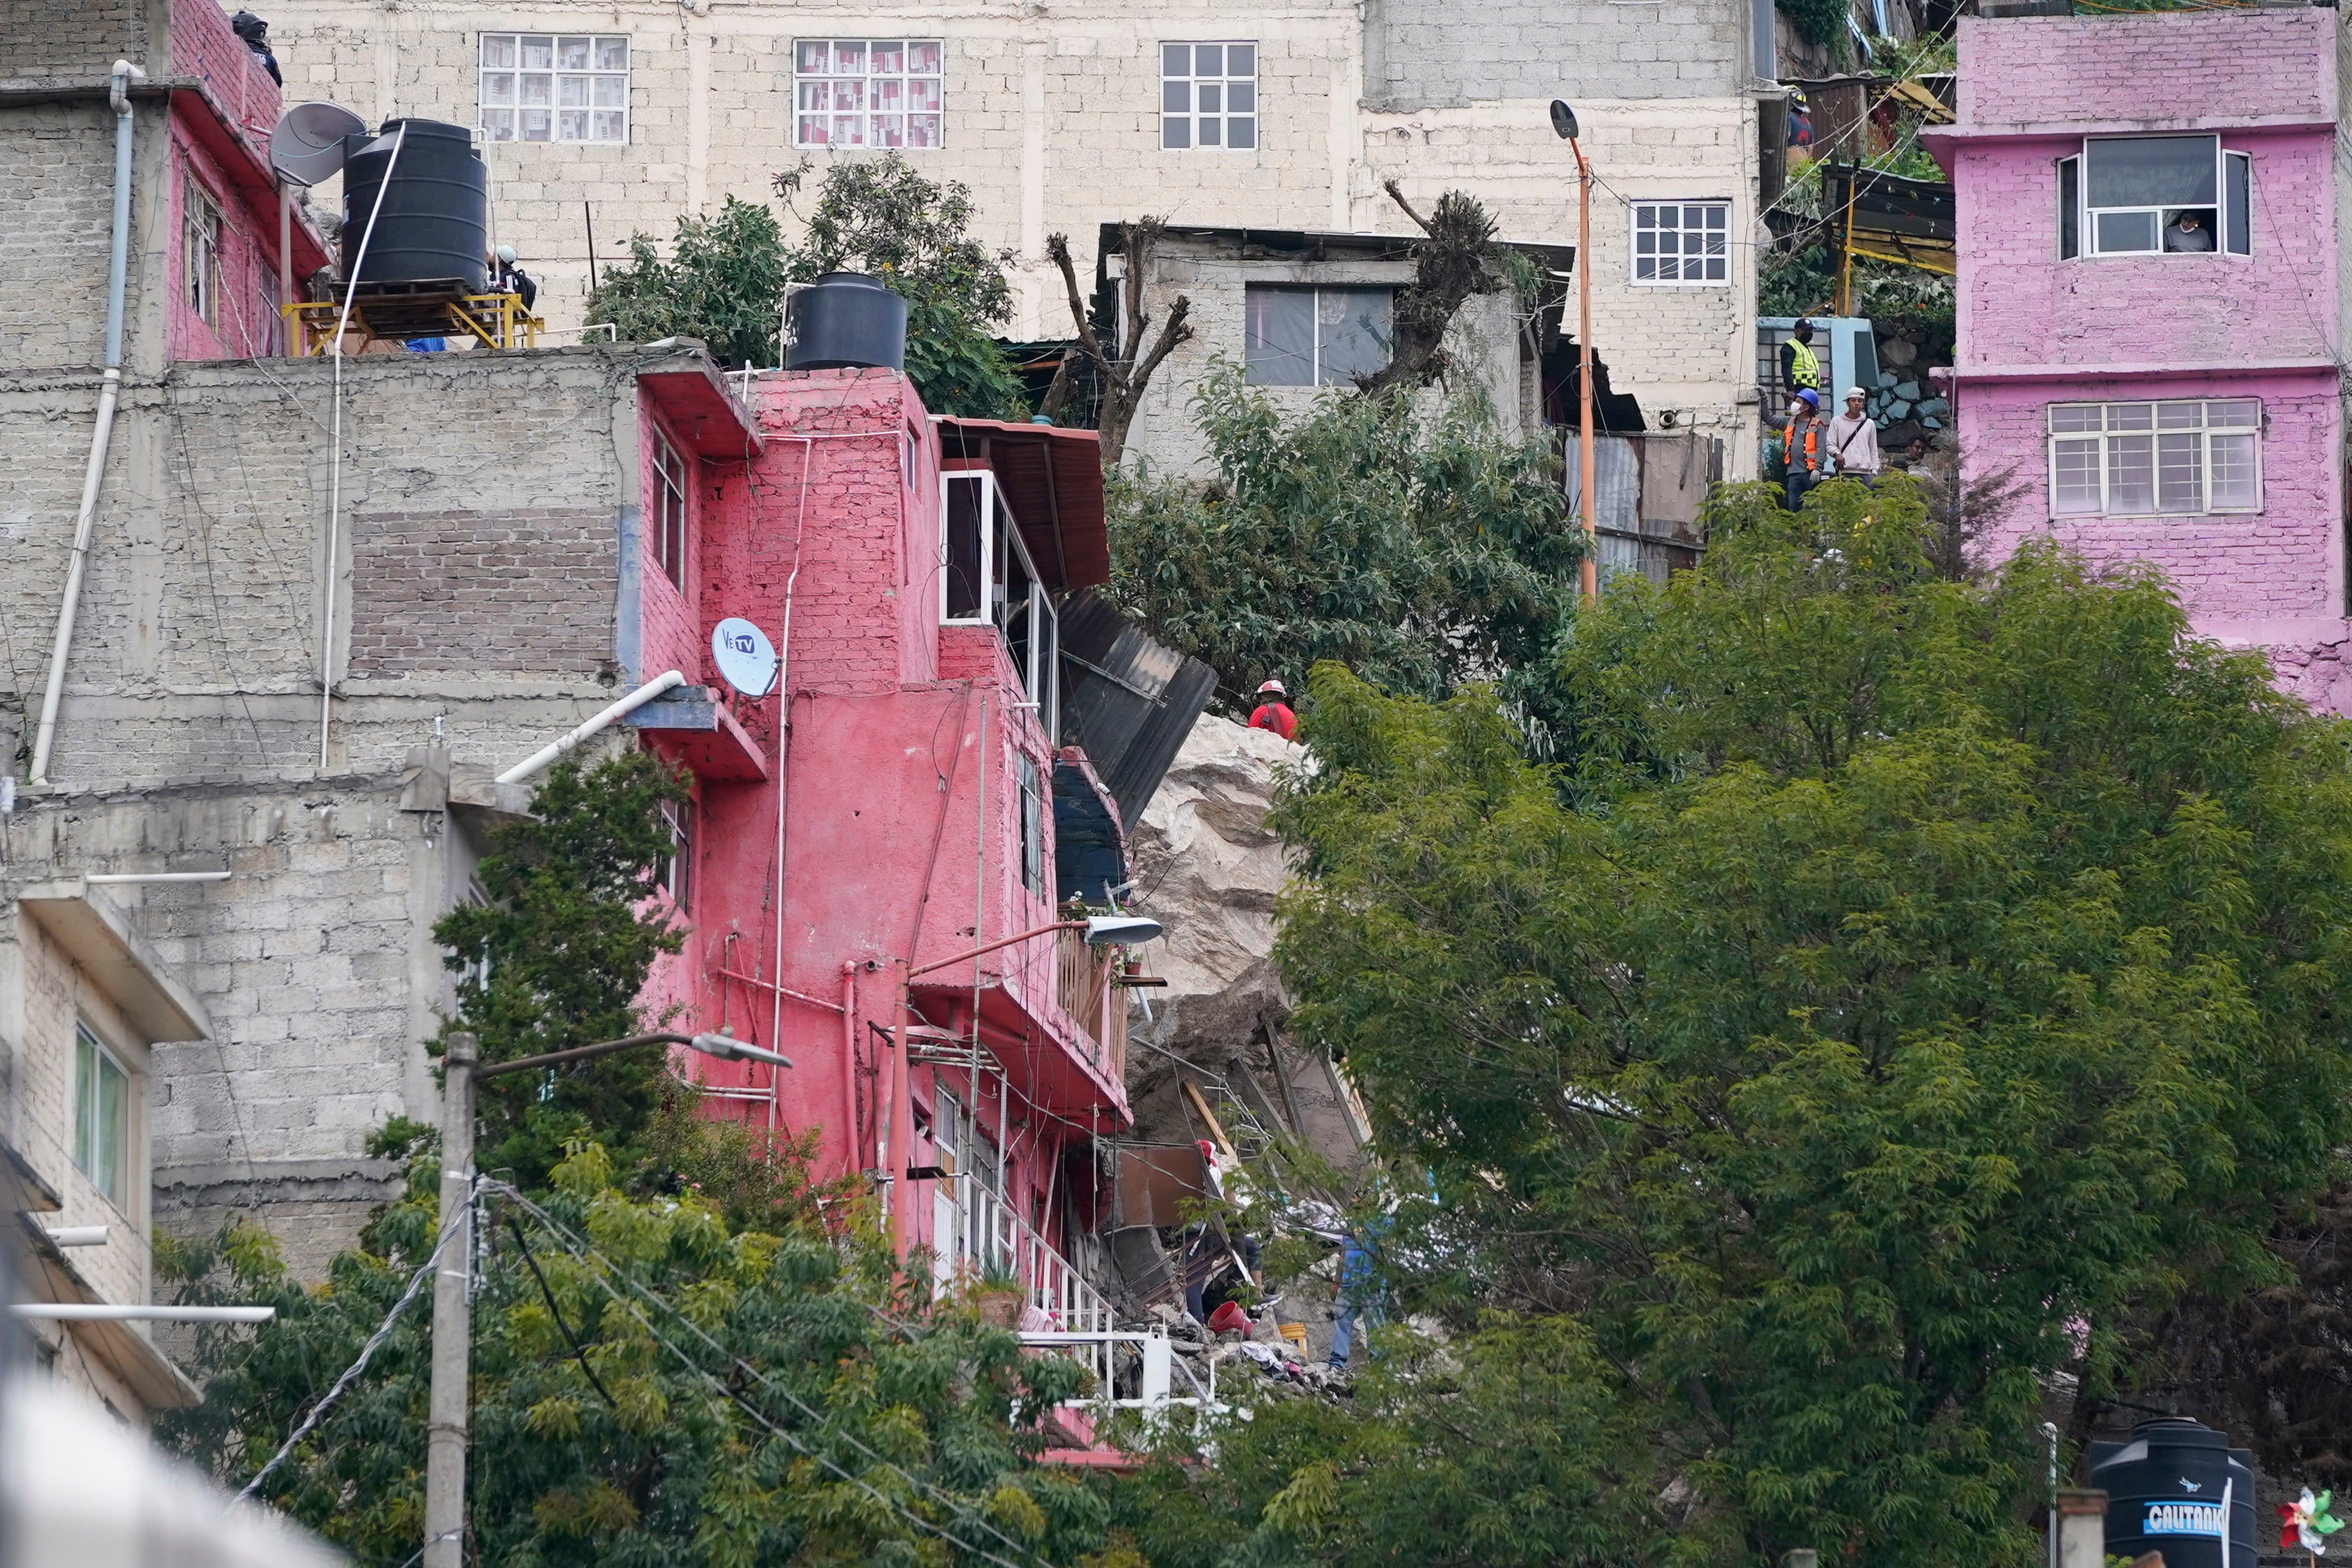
<point x="2177" y="1486"/>
<point x="435" y="221"/>
<point x="845" y="320"/>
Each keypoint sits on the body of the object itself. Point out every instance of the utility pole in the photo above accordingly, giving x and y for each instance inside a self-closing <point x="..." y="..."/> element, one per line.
<point x="446" y="1417"/>
<point x="453" y="1329"/>
<point x="1564" y="121"/>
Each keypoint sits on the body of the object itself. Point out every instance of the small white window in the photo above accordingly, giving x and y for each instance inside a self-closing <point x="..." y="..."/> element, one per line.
<point x="986" y="578"/>
<point x="1682" y="242"/>
<point x="555" y="87"/>
<point x="867" y="92"/>
<point x="101" y="1133"/>
<point x="1316" y="337"/>
<point x="204" y="253"/>
<point x="669" y="512"/>
<point x="1208" y="95"/>
<point x="2141" y="459"/>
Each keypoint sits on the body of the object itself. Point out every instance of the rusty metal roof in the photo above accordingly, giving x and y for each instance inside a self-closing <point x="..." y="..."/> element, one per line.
<point x="1052" y="479"/>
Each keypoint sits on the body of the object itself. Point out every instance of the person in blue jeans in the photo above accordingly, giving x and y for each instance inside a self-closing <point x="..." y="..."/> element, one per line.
<point x="1359" y="1296"/>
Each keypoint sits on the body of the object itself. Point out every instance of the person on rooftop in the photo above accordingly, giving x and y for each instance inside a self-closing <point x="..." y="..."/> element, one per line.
<point x="256" y="34"/>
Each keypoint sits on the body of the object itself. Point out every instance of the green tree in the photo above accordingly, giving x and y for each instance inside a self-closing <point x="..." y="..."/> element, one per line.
<point x="882" y="218"/>
<point x="1419" y="549"/>
<point x="650" y="1386"/>
<point x="723" y="282"/>
<point x="1905" y="987"/>
<point x="556" y="958"/>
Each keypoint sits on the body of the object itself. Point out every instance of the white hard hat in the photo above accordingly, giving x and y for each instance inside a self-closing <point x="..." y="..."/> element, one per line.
<point x="1855" y="392"/>
<point x="507" y="254"/>
<point x="1276" y="686"/>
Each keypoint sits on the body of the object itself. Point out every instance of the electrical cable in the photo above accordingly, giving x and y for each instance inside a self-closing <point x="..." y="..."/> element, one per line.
<point x="586" y="1252"/>
<point x="578" y="1353"/>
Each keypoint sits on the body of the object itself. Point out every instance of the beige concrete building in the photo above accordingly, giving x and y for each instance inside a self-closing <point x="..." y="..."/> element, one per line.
<point x="620" y="115"/>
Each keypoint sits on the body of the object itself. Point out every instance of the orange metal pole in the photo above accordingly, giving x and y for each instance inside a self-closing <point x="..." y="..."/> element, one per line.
<point x="1591" y="571"/>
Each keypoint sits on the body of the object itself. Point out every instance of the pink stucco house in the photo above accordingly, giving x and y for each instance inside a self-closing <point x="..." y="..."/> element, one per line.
<point x="2150" y="308"/>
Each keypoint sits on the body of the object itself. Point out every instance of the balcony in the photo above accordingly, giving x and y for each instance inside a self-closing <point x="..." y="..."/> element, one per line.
<point x="1085" y="985"/>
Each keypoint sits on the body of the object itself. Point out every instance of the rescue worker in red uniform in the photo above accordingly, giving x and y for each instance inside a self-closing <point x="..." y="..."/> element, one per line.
<point x="1273" y="713"/>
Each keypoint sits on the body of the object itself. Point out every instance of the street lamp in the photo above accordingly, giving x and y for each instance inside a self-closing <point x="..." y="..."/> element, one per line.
<point x="453" y="1327"/>
<point x="1563" y="123"/>
<point x="1102" y="930"/>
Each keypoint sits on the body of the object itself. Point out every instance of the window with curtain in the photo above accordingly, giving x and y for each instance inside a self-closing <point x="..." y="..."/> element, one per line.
<point x="867" y="92"/>
<point x="102" y="1132"/>
<point x="552" y="86"/>
<point x="2154" y="195"/>
<point x="1316" y="337"/>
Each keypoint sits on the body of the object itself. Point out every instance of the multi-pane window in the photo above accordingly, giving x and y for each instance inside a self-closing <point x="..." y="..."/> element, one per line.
<point x="1208" y="95"/>
<point x="1316" y="337"/>
<point x="204" y="249"/>
<point x="102" y="1132"/>
<point x="2138" y="459"/>
<point x="866" y="92"/>
<point x="2144" y="196"/>
<point x="1682" y="242"/>
<point x="555" y="87"/>
<point x="669" y="512"/>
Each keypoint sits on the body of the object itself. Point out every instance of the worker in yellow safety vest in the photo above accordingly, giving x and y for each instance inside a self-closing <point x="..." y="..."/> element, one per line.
<point x="1800" y="371"/>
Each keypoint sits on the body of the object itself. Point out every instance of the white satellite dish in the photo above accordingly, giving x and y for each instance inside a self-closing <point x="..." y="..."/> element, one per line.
<point x="746" y="659"/>
<point x="307" y="145"/>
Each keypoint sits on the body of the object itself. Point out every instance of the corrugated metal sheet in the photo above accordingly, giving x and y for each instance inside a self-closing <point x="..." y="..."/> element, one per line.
<point x="1616" y="482"/>
<point x="1128" y="701"/>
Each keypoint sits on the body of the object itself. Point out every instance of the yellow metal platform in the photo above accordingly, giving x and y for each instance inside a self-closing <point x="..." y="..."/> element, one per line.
<point x="396" y="312"/>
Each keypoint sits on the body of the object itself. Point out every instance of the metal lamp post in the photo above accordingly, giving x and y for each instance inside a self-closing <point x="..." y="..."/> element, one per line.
<point x="1564" y="121"/>
<point x="453" y="1327"/>
<point x="1102" y="930"/>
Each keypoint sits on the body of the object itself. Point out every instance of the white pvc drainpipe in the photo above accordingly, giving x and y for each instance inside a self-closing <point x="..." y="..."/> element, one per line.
<point x="121" y="878"/>
<point x="634" y="699"/>
<point x="108" y="1312"/>
<point x="118" y="269"/>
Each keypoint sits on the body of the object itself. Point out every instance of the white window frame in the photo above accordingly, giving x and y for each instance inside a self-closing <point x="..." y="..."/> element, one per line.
<point x="677" y="865"/>
<point x="1706" y="207"/>
<point x="117" y="1184"/>
<point x="1032" y="826"/>
<point x="508" y="71"/>
<point x="872" y="100"/>
<point x="204" y="227"/>
<point x="1226" y="84"/>
<point x="1040" y="673"/>
<point x="2087" y="216"/>
<point x="672" y="480"/>
<point x="2122" y="420"/>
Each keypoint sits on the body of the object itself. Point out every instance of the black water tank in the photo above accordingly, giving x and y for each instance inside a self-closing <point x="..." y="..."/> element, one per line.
<point x="435" y="220"/>
<point x="845" y="320"/>
<point x="2165" y="1489"/>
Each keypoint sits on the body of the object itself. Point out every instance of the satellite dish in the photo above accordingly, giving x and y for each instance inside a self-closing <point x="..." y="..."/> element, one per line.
<point x="307" y="144"/>
<point x="746" y="659"/>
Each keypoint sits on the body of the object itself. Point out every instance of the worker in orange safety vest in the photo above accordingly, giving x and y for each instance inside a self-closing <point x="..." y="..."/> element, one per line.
<point x="1800" y="446"/>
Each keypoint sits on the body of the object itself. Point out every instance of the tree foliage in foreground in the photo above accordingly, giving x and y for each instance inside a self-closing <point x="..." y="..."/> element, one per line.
<point x="1419" y="549"/>
<point x="841" y="1417"/>
<point x="1911" y="986"/>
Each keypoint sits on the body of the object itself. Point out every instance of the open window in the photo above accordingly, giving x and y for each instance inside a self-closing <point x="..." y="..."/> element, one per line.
<point x="987" y="578"/>
<point x="2150" y="195"/>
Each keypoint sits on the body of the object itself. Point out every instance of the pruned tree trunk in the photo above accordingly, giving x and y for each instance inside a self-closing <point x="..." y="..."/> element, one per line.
<point x="1449" y="266"/>
<point x="1125" y="369"/>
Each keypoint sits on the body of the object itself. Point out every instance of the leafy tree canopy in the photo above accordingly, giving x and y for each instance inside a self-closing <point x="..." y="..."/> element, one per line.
<point x="723" y="282"/>
<point x="1908" y="987"/>
<point x="882" y="218"/>
<point x="651" y="1386"/>
<point x="557" y="957"/>
<point x="1419" y="549"/>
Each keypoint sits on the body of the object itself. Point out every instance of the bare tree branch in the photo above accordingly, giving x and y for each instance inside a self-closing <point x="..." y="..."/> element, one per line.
<point x="1123" y="376"/>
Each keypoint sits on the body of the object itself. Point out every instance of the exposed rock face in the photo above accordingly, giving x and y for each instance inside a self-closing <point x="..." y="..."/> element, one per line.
<point x="1207" y="866"/>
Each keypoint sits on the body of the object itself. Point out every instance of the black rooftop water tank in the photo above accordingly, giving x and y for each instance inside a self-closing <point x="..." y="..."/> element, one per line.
<point x="435" y="220"/>
<point x="2167" y="1490"/>
<point x="845" y="320"/>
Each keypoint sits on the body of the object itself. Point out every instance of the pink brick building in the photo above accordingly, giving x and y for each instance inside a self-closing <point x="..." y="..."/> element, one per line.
<point x="2150" y="308"/>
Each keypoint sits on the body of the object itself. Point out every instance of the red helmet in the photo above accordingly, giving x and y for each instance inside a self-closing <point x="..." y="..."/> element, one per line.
<point x="1274" y="686"/>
